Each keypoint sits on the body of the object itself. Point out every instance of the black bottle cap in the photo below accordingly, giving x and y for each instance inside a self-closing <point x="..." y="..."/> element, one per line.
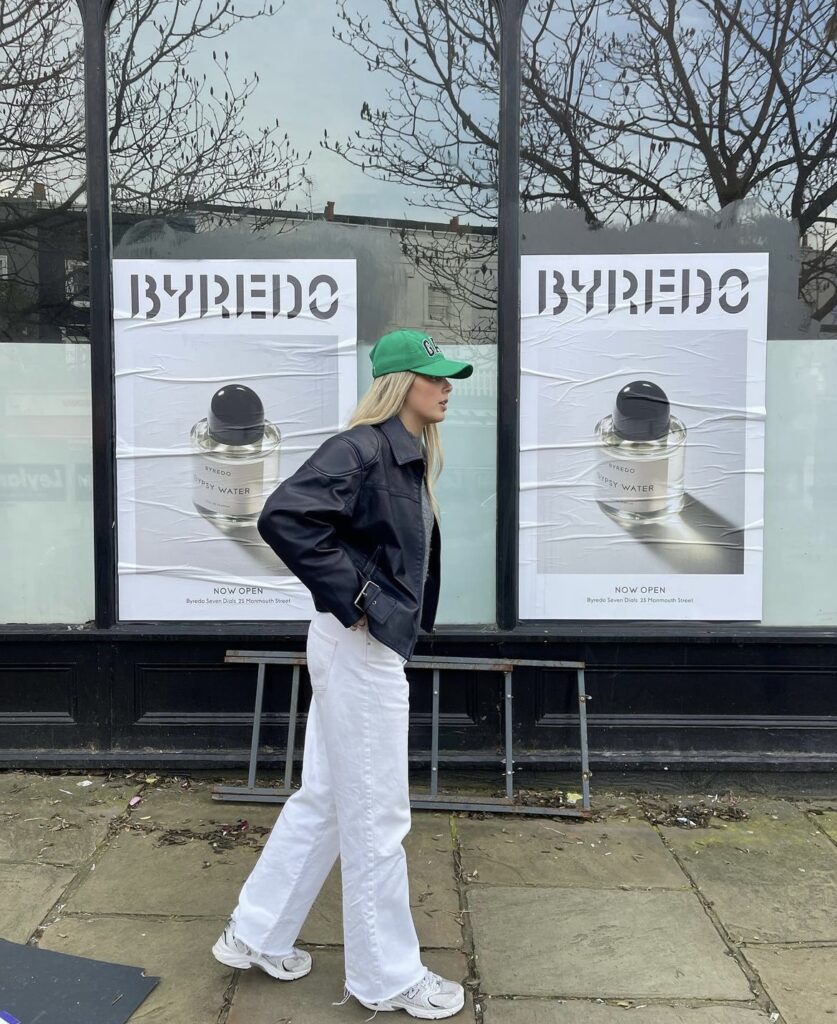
<point x="642" y="412"/>
<point x="236" y="415"/>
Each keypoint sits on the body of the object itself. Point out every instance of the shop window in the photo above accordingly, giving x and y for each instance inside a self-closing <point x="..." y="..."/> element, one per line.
<point x="438" y="305"/>
<point x="45" y="406"/>
<point x="651" y="155"/>
<point x="77" y="283"/>
<point x="346" y="149"/>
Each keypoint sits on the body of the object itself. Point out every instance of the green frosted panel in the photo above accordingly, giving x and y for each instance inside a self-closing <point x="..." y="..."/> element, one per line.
<point x="800" y="515"/>
<point x="46" y="483"/>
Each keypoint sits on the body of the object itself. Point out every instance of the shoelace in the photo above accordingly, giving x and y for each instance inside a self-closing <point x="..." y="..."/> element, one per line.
<point x="429" y="983"/>
<point x="234" y="940"/>
<point x="346" y="996"/>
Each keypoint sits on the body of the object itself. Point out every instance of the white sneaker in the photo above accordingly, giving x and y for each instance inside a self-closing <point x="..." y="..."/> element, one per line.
<point x="431" y="999"/>
<point x="234" y="953"/>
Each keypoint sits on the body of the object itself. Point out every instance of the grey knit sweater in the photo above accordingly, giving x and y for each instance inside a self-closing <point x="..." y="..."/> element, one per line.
<point x="427" y="516"/>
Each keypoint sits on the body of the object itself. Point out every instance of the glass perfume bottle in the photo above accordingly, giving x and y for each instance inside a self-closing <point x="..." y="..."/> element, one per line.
<point x="236" y="458"/>
<point x="642" y="450"/>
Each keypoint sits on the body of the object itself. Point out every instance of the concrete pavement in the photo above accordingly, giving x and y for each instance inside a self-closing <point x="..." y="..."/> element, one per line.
<point x="632" y="916"/>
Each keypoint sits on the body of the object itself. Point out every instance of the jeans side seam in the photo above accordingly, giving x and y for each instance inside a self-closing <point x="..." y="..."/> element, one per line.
<point x="370" y="834"/>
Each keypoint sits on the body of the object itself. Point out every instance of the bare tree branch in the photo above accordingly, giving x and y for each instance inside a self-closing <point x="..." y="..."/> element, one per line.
<point x="630" y="108"/>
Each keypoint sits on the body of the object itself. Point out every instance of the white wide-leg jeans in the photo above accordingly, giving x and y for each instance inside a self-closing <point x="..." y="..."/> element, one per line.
<point x="354" y="801"/>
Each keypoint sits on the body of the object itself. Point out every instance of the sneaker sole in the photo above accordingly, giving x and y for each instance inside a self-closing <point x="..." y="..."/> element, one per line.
<point x="431" y="1014"/>
<point x="243" y="963"/>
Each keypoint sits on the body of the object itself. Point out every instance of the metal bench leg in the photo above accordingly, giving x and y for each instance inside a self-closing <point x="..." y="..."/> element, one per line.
<point x="509" y="760"/>
<point x="434" y="737"/>
<point x="265" y="794"/>
<point x="582" y="723"/>
<point x="257" y="721"/>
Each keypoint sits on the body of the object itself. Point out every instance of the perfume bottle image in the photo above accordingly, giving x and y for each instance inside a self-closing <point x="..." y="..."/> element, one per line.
<point x="236" y="460"/>
<point x="642" y="451"/>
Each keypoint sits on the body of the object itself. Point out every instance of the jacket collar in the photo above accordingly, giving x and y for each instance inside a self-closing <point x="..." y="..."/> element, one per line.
<point x="402" y="442"/>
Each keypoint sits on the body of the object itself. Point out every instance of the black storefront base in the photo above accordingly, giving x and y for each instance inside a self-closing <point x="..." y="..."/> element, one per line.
<point x="686" y="696"/>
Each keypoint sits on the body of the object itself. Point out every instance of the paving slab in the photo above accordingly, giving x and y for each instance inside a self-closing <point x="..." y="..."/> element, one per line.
<point x="559" y="1011"/>
<point x="324" y="924"/>
<point x="796" y="912"/>
<point x="51" y="837"/>
<point x="433" y="892"/>
<point x="260" y="999"/>
<point x="135" y="876"/>
<point x="769" y="878"/>
<point x="776" y="836"/>
<point x="192" y="982"/>
<point x="54" y="820"/>
<point x="619" y="853"/>
<point x="433" y="895"/>
<point x="69" y="789"/>
<point x="605" y="943"/>
<point x="825" y="818"/>
<point x="802" y="982"/>
<point x="172" y="805"/>
<point x="27" y="892"/>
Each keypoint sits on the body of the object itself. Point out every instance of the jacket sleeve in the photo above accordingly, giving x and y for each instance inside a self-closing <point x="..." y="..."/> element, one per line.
<point x="300" y="522"/>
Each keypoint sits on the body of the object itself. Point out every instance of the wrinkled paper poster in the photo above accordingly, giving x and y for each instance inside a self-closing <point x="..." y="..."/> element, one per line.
<point x="642" y="436"/>
<point x="229" y="374"/>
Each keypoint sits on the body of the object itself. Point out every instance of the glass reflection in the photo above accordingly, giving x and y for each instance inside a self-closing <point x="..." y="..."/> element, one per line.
<point x="373" y="138"/>
<point x="43" y="240"/>
<point x="649" y="127"/>
<point x="45" y="437"/>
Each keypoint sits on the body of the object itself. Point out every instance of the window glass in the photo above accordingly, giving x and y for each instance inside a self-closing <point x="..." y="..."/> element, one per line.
<point x="372" y="139"/>
<point x="683" y="129"/>
<point x="800" y="528"/>
<point x="46" y="509"/>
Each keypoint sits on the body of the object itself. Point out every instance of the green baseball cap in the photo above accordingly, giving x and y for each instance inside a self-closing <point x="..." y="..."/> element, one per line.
<point x="416" y="351"/>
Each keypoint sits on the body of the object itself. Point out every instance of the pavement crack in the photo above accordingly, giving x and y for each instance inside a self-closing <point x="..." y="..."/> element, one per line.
<point x="81" y="871"/>
<point x="473" y="982"/>
<point x="760" y="994"/>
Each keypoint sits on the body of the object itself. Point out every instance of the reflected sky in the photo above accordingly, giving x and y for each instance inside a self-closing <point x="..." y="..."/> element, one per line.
<point x="313" y="82"/>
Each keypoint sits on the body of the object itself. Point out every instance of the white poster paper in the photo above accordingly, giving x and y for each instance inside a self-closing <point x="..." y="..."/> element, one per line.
<point x="642" y="436"/>
<point x="229" y="374"/>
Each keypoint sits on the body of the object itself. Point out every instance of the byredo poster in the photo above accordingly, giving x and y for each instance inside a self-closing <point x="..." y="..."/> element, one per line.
<point x="642" y="436"/>
<point x="229" y="374"/>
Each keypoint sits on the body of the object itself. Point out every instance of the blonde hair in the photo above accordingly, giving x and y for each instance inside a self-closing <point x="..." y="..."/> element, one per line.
<point x="383" y="400"/>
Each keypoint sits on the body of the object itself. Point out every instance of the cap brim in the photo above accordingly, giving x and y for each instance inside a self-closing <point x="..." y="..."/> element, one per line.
<point x="446" y="368"/>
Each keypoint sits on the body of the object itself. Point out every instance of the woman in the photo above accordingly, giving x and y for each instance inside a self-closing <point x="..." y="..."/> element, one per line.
<point x="356" y="523"/>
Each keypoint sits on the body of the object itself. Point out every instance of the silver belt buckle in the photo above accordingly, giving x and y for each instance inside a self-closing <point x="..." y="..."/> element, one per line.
<point x="362" y="593"/>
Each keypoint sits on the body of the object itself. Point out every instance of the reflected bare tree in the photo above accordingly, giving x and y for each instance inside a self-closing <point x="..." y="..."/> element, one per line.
<point x="41" y="154"/>
<point x="41" y="104"/>
<point x="632" y="109"/>
<point x="178" y="139"/>
<point x="437" y="134"/>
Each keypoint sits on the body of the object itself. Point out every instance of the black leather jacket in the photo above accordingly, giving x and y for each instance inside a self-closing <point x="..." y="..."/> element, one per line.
<point x="350" y="513"/>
